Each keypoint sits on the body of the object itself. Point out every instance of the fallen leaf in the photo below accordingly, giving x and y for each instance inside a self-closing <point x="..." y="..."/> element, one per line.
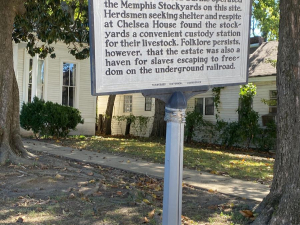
<point x="147" y="201"/>
<point x="128" y="161"/>
<point x="146" y="220"/>
<point x="119" y="193"/>
<point x="91" y="174"/>
<point x="247" y="213"/>
<point x="157" y="188"/>
<point x="60" y="177"/>
<point x="151" y="214"/>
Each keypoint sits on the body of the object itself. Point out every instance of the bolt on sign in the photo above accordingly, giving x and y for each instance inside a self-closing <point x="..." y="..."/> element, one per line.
<point x="167" y="45"/>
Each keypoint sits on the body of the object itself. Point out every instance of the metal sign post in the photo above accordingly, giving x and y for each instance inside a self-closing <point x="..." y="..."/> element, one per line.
<point x="175" y="117"/>
<point x="169" y="50"/>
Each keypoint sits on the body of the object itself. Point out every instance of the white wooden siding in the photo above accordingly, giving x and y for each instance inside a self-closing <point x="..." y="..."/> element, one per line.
<point x="229" y="98"/>
<point x="138" y="109"/>
<point x="87" y="102"/>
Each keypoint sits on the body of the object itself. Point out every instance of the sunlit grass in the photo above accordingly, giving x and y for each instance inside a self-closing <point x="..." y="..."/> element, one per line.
<point x="218" y="162"/>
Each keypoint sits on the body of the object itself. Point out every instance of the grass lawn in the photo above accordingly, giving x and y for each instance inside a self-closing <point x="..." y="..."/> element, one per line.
<point x="249" y="165"/>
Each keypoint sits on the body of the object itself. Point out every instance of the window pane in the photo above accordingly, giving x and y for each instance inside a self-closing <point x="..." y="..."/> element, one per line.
<point x="273" y="94"/>
<point x="72" y="75"/>
<point x="29" y="92"/>
<point x="199" y="105"/>
<point x="148" y="103"/>
<point x="65" y="96"/>
<point x="30" y="70"/>
<point x="69" y="84"/>
<point x="273" y="102"/>
<point x="41" y="66"/>
<point x="71" y="96"/>
<point x="40" y="79"/>
<point x="66" y="73"/>
<point x="209" y="106"/>
<point x="127" y="103"/>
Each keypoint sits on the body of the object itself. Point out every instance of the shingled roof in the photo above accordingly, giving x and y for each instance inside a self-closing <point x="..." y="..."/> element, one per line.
<point x="258" y="65"/>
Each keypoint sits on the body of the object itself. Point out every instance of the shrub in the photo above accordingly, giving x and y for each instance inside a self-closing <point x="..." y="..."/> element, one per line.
<point x="229" y="133"/>
<point x="193" y="120"/>
<point x="32" y="116"/>
<point x="48" y="118"/>
<point x="266" y="140"/>
<point x="195" y="123"/>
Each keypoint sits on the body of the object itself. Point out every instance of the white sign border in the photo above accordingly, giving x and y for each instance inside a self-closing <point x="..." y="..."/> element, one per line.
<point x="154" y="91"/>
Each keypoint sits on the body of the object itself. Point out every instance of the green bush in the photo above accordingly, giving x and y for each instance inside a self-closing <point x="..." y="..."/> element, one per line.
<point x="229" y="133"/>
<point x="48" y="118"/>
<point x="195" y="123"/>
<point x="266" y="140"/>
<point x="193" y="120"/>
<point x="32" y="115"/>
<point x="246" y="132"/>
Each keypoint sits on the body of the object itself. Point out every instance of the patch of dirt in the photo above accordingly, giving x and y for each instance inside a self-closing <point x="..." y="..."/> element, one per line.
<point x="54" y="190"/>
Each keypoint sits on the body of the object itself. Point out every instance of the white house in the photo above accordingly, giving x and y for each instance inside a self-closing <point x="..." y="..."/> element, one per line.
<point x="63" y="80"/>
<point x="261" y="72"/>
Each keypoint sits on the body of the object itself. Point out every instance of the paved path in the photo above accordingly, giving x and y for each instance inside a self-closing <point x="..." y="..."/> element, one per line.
<point x="225" y="185"/>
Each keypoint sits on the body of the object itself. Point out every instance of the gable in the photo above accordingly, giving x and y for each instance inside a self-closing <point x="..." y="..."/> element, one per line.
<point x="258" y="60"/>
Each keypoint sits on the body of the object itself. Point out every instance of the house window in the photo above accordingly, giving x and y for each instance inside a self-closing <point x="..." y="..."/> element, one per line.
<point x="30" y="80"/>
<point x="209" y="106"/>
<point x="69" y="84"/>
<point x="127" y="103"/>
<point x="205" y="105"/>
<point x="36" y="78"/>
<point x="273" y="102"/>
<point x="40" y="79"/>
<point x="148" y="103"/>
<point x="199" y="105"/>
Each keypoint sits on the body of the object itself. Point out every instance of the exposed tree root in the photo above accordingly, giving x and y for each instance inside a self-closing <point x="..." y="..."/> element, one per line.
<point x="280" y="209"/>
<point x="266" y="210"/>
<point x="15" y="153"/>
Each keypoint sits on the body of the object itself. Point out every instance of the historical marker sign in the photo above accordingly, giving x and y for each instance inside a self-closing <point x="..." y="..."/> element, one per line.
<point x="166" y="45"/>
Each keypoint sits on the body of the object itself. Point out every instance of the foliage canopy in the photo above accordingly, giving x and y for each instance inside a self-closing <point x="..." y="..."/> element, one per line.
<point x="266" y="12"/>
<point x="51" y="21"/>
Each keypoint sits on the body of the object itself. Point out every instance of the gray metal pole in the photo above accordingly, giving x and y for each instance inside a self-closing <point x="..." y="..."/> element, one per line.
<point x="172" y="201"/>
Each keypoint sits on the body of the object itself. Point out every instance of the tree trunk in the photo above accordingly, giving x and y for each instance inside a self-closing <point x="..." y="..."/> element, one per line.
<point x="159" y="124"/>
<point x="282" y="205"/>
<point x="108" y="114"/>
<point x="11" y="147"/>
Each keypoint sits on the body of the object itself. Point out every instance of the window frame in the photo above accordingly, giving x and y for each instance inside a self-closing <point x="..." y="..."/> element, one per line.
<point x="200" y="108"/>
<point x="148" y="102"/>
<point x="206" y="106"/>
<point x="273" y="97"/>
<point x="203" y="110"/>
<point x="77" y="79"/>
<point x="34" y="76"/>
<point x="130" y="104"/>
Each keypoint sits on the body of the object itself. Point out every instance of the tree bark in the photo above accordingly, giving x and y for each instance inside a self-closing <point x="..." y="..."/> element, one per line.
<point x="108" y="114"/>
<point x="159" y="124"/>
<point x="11" y="146"/>
<point x="282" y="205"/>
